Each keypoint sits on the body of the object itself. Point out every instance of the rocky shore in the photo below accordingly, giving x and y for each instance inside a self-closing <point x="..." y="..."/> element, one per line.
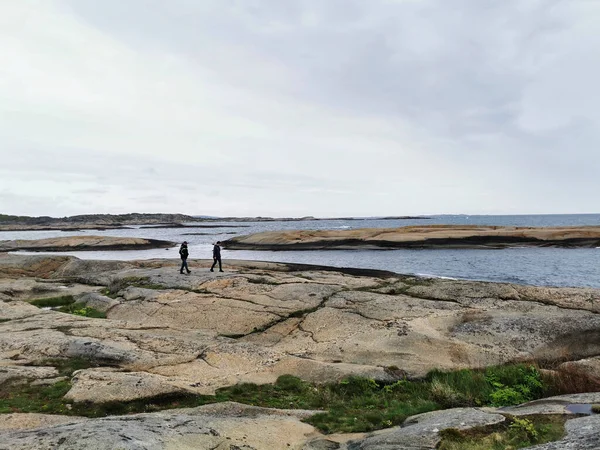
<point x="421" y="237"/>
<point x="167" y="334"/>
<point x="81" y="243"/>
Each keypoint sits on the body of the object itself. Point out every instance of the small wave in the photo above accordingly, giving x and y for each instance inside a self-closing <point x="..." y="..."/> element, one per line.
<point x="427" y="275"/>
<point x="343" y="227"/>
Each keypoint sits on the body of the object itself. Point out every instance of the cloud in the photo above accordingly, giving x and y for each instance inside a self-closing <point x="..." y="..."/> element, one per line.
<point x="343" y="107"/>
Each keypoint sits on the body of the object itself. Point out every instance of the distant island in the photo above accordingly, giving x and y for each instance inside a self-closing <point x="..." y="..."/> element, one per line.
<point x="88" y="221"/>
<point x="309" y="218"/>
<point x="158" y="220"/>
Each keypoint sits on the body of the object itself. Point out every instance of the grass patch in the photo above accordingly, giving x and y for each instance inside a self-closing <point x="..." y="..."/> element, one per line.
<point x="516" y="432"/>
<point x="596" y="409"/>
<point x="66" y="304"/>
<point x="53" y="302"/>
<point x="23" y="397"/>
<point x="19" y="396"/>
<point x="352" y="405"/>
<point x="79" y="309"/>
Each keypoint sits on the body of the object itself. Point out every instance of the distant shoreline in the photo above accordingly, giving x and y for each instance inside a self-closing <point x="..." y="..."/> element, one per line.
<point x="103" y="222"/>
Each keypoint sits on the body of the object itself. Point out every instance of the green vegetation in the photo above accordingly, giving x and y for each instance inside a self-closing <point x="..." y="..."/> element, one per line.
<point x="494" y="386"/>
<point x="79" y="309"/>
<point x="352" y="405"/>
<point x="596" y="409"/>
<point x="516" y="432"/>
<point x="53" y="302"/>
<point x="21" y="396"/>
<point x="26" y="398"/>
<point x="66" y="304"/>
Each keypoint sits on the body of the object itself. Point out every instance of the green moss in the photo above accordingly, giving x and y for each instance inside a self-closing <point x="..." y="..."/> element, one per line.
<point x="79" y="309"/>
<point x="596" y="409"/>
<point x="53" y="302"/>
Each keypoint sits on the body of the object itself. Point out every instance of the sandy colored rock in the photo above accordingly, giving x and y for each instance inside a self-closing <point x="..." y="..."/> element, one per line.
<point x="10" y="372"/>
<point x="422" y="431"/>
<point x="419" y="236"/>
<point x="589" y="367"/>
<point x="227" y="427"/>
<point x="32" y="420"/>
<point x="70" y="243"/>
<point x="109" y="385"/>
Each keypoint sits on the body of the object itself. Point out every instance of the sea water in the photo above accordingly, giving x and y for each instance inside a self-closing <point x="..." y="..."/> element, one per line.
<point x="537" y="266"/>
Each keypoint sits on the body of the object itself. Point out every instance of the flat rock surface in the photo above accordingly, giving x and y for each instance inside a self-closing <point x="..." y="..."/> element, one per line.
<point x="422" y="431"/>
<point x="230" y="426"/>
<point x="69" y="243"/>
<point x="258" y="320"/>
<point x="168" y="333"/>
<point x="109" y="385"/>
<point x="422" y="236"/>
<point x="10" y="422"/>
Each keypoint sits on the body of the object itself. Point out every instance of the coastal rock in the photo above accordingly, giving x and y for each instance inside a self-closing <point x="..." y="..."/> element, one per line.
<point x="11" y="372"/>
<point x="261" y="320"/>
<point x="581" y="434"/>
<point x="422" y="431"/>
<point x="226" y="426"/>
<point x="97" y="301"/>
<point x="109" y="385"/>
<point x="419" y="236"/>
<point x="26" y="421"/>
<point x="168" y="333"/>
<point x="589" y="367"/>
<point x="559" y="404"/>
<point x="70" y="243"/>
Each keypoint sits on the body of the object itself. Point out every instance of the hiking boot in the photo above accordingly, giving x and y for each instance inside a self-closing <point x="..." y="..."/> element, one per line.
<point x="211" y="270"/>
<point x="189" y="271"/>
<point x="220" y="271"/>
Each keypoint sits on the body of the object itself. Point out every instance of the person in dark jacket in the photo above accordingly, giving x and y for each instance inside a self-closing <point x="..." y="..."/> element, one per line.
<point x="217" y="257"/>
<point x="183" y="252"/>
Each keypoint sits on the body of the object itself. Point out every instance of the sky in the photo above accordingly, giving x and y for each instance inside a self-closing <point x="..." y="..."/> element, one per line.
<point x="294" y="108"/>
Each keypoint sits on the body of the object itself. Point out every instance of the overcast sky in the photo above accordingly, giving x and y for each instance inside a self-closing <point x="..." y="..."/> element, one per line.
<point x="293" y="108"/>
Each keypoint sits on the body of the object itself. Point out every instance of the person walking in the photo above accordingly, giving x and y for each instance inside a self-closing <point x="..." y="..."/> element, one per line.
<point x="183" y="252"/>
<point x="217" y="257"/>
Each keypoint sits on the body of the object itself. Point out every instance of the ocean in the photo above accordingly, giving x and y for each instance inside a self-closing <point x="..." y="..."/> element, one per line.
<point x="534" y="266"/>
